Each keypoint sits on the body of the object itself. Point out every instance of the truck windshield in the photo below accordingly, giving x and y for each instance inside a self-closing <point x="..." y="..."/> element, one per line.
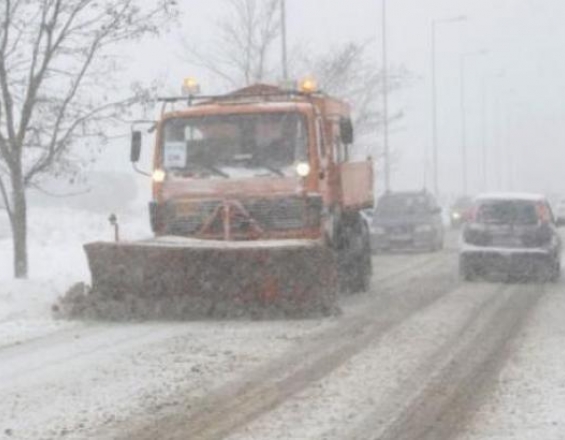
<point x="237" y="145"/>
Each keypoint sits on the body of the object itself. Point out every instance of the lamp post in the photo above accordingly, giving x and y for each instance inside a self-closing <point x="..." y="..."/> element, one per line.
<point x="386" y="150"/>
<point x="464" y="118"/>
<point x="283" y="38"/>
<point x="435" y="153"/>
<point x="485" y="95"/>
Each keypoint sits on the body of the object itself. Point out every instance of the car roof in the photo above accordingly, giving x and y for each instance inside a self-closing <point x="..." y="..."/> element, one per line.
<point x="406" y="194"/>
<point x="510" y="196"/>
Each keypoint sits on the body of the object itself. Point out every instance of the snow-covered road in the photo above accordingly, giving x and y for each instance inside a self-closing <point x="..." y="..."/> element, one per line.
<point x="421" y="356"/>
<point x="80" y="378"/>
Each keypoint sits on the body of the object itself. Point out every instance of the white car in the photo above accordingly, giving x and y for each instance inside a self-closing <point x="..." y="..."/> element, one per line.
<point x="512" y="233"/>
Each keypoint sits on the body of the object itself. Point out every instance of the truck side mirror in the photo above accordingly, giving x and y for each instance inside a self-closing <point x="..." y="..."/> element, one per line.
<point x="346" y="131"/>
<point x="135" y="146"/>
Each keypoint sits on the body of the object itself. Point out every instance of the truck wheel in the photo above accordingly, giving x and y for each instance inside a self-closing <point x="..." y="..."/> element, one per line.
<point x="354" y="254"/>
<point x="361" y="282"/>
<point x="362" y="264"/>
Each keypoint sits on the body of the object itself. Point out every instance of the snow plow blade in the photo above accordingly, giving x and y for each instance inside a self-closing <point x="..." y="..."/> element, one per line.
<point x="177" y="278"/>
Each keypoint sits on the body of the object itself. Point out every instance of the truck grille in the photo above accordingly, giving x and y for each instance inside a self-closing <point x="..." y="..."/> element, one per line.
<point x="282" y="214"/>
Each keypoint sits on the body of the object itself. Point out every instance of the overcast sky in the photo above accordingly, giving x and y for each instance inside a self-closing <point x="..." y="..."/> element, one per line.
<point x="522" y="76"/>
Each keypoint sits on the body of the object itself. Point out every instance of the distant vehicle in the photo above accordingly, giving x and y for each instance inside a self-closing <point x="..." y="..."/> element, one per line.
<point x="459" y="211"/>
<point x="367" y="215"/>
<point x="407" y="220"/>
<point x="560" y="211"/>
<point x="511" y="233"/>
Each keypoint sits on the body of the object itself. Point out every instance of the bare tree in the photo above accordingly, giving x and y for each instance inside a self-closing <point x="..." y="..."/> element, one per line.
<point x="347" y="72"/>
<point x="244" y="53"/>
<point x="241" y="53"/>
<point x="56" y="71"/>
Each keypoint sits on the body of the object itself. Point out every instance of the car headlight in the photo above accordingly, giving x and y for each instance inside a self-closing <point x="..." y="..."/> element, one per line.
<point x="456" y="216"/>
<point x="424" y="228"/>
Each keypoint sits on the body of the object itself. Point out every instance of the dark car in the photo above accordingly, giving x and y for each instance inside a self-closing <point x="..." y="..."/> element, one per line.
<point x="514" y="234"/>
<point x="407" y="220"/>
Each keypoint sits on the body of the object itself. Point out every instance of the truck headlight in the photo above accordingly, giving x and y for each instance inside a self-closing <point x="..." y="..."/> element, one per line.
<point x="159" y="176"/>
<point x="303" y="169"/>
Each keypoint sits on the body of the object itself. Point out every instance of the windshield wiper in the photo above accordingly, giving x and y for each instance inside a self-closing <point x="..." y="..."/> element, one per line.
<point x="251" y="161"/>
<point x="273" y="170"/>
<point x="211" y="168"/>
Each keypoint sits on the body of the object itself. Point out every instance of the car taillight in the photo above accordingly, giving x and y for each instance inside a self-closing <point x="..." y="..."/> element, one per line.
<point x="472" y="214"/>
<point x="543" y="213"/>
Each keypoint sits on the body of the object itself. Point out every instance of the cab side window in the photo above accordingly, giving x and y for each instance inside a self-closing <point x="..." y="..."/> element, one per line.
<point x="341" y="151"/>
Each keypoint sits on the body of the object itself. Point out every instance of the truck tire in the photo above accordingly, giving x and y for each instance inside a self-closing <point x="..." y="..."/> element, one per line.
<point x="361" y="282"/>
<point x="355" y="256"/>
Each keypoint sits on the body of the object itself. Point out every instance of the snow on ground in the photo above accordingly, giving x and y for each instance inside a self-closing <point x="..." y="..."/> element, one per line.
<point x="61" y="379"/>
<point x="4" y="225"/>
<point x="372" y="380"/>
<point x="528" y="399"/>
<point x="78" y="382"/>
<point x="57" y="261"/>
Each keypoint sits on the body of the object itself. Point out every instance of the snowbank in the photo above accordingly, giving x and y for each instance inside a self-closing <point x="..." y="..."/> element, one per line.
<point x="56" y="262"/>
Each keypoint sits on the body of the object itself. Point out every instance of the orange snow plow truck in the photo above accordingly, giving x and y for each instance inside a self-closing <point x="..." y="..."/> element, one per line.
<point x="256" y="208"/>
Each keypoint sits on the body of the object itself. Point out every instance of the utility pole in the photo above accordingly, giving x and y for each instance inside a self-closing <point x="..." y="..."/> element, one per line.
<point x="386" y="150"/>
<point x="435" y="148"/>
<point x="434" y="114"/>
<point x="484" y="135"/>
<point x="486" y="98"/>
<point x="463" y="126"/>
<point x="283" y="37"/>
<point x="464" y="152"/>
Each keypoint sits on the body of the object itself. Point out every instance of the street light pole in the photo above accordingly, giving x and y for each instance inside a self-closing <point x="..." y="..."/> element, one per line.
<point x="283" y="37"/>
<point x="464" y="119"/>
<point x="386" y="151"/>
<point x="435" y="153"/>
<point x="463" y="126"/>
<point x="484" y="134"/>
<point x="434" y="113"/>
<point x="486" y="98"/>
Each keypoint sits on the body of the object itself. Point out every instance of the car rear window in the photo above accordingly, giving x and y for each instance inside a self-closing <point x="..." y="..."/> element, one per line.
<point x="402" y="205"/>
<point x="508" y="212"/>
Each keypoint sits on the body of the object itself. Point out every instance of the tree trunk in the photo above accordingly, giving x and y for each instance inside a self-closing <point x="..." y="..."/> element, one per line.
<point x="18" y="221"/>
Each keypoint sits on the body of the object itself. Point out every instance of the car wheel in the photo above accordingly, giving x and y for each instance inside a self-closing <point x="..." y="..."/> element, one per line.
<point x="555" y="271"/>
<point x="466" y="271"/>
<point x="441" y="244"/>
<point x="437" y="244"/>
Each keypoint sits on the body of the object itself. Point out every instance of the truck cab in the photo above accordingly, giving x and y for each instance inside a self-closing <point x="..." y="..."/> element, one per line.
<point x="259" y="163"/>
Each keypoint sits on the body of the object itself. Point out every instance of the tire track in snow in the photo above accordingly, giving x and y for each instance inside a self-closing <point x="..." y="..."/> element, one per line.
<point x="52" y="362"/>
<point x="432" y="404"/>
<point x="236" y="405"/>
